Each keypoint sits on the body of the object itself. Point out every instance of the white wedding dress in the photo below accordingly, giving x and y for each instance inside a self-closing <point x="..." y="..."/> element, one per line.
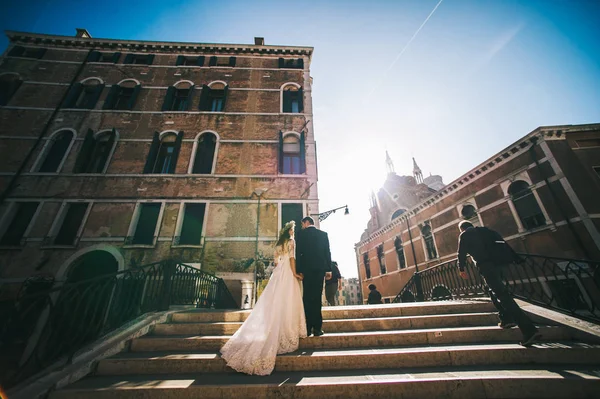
<point x="276" y="323"/>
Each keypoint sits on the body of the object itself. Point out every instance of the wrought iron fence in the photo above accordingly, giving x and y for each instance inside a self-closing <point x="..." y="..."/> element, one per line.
<point x="45" y="327"/>
<point x="567" y="285"/>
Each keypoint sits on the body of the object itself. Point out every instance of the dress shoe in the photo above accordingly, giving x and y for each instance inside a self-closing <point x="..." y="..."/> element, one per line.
<point x="318" y="333"/>
<point x="531" y="339"/>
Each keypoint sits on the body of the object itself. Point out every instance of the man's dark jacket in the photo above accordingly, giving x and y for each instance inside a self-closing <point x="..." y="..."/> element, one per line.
<point x="312" y="251"/>
<point x="484" y="245"/>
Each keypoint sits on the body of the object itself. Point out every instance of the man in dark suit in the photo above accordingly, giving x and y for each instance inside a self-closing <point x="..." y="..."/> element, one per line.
<point x="313" y="260"/>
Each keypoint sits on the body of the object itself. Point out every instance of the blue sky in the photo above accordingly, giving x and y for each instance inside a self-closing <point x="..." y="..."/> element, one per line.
<point x="479" y="75"/>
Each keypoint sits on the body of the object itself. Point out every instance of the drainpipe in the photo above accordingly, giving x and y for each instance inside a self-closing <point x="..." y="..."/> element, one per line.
<point x="12" y="183"/>
<point x="563" y="213"/>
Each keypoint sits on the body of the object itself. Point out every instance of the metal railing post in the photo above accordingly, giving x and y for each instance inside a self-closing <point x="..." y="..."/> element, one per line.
<point x="168" y="273"/>
<point x="419" y="287"/>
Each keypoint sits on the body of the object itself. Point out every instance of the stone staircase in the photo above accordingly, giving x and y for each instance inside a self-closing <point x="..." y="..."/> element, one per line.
<point x="420" y="350"/>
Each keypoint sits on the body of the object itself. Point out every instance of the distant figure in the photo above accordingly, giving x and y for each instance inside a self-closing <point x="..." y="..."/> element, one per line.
<point x="333" y="285"/>
<point x="374" y="295"/>
<point x="490" y="253"/>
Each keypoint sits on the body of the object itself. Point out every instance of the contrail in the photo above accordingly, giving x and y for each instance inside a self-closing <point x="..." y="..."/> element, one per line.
<point x="405" y="47"/>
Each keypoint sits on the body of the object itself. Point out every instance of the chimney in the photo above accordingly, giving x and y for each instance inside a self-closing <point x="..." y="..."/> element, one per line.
<point x="83" y="33"/>
<point x="259" y="41"/>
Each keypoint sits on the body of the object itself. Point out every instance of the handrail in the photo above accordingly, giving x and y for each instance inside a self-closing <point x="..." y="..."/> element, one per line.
<point x="570" y="286"/>
<point x="47" y="326"/>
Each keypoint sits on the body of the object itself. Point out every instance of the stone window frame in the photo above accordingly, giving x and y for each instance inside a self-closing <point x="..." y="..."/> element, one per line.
<point x="398" y="209"/>
<point x="301" y="152"/>
<point x="179" y="224"/>
<point x="46" y="148"/>
<point x="367" y="265"/>
<point x="19" y="81"/>
<point x="154" y="152"/>
<point x="7" y="218"/>
<point x="112" y="150"/>
<point x="59" y="219"/>
<point x="398" y="239"/>
<point x="524" y="176"/>
<point x="281" y="90"/>
<point x="135" y="94"/>
<point x="206" y="98"/>
<point x="195" y="149"/>
<point x="172" y="92"/>
<point x="473" y="203"/>
<point x="70" y="101"/>
<point x="424" y="244"/>
<point x="134" y="221"/>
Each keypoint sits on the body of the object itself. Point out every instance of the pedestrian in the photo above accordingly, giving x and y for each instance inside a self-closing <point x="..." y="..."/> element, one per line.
<point x="333" y="285"/>
<point x="374" y="295"/>
<point x="491" y="253"/>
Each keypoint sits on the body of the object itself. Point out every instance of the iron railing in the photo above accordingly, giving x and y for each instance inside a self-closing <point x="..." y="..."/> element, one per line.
<point x="52" y="325"/>
<point x="567" y="285"/>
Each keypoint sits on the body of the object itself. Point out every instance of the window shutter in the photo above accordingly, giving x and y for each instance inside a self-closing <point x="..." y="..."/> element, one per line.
<point x="109" y="102"/>
<point x="280" y="151"/>
<point x="232" y="61"/>
<point x="111" y="142"/>
<point x="300" y="100"/>
<point x="152" y="153"/>
<point x="93" y="56"/>
<point x="176" y="151"/>
<point x="180" y="60"/>
<point x="190" y="98"/>
<point x="97" y="92"/>
<point x="287" y="103"/>
<point x="83" y="158"/>
<point x="41" y="52"/>
<point x="16" y="51"/>
<point x="150" y="59"/>
<point x="212" y="61"/>
<point x="204" y="96"/>
<point x="281" y="63"/>
<point x="200" y="61"/>
<point x="301" y="63"/>
<point x="168" y="104"/>
<point x="128" y="59"/>
<point x="116" y="57"/>
<point x="136" y="91"/>
<point x="302" y="153"/>
<point x="72" y="95"/>
<point x="225" y="95"/>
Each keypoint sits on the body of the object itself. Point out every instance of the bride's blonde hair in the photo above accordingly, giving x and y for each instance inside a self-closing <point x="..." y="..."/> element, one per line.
<point x="284" y="233"/>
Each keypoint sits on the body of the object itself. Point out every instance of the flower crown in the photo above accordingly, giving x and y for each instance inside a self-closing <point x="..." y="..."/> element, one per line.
<point x="289" y="225"/>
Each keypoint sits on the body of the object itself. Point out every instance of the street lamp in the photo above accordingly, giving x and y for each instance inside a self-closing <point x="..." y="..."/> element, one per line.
<point x="323" y="215"/>
<point x="259" y="192"/>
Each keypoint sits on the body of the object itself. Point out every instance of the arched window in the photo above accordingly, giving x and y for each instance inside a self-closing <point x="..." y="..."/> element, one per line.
<point x="84" y="95"/>
<point x="429" y="243"/>
<point x="292" y="99"/>
<point x="398" y="213"/>
<point x="381" y="258"/>
<point x="95" y="151"/>
<point x="179" y="97"/>
<point x="213" y="97"/>
<point x="205" y="154"/>
<point x="123" y="95"/>
<point x="526" y="205"/>
<point x="56" y="152"/>
<point x="400" y="252"/>
<point x="9" y="84"/>
<point x="468" y="212"/>
<point x="292" y="158"/>
<point x="163" y="154"/>
<point x="367" y="266"/>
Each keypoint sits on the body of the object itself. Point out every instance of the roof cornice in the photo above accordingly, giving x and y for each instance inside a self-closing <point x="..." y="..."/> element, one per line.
<point x="147" y="46"/>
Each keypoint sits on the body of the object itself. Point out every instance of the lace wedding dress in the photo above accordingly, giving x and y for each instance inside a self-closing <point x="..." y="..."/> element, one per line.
<point x="276" y="323"/>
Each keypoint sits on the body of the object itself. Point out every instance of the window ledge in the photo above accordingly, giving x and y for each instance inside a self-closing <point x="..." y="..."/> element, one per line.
<point x="139" y="246"/>
<point x="52" y="246"/>
<point x="187" y="246"/>
<point x="13" y="247"/>
<point x="549" y="226"/>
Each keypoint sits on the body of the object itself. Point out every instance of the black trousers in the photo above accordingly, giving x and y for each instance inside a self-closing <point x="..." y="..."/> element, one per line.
<point x="503" y="301"/>
<point x="311" y="297"/>
<point x="330" y="293"/>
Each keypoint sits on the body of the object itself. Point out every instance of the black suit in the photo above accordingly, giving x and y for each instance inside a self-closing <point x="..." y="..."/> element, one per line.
<point x="313" y="260"/>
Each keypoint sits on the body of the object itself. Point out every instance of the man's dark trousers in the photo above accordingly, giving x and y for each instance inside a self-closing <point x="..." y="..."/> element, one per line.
<point x="507" y="306"/>
<point x="311" y="297"/>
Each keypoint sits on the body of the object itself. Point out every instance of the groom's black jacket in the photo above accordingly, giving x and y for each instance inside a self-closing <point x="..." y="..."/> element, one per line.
<point x="312" y="251"/>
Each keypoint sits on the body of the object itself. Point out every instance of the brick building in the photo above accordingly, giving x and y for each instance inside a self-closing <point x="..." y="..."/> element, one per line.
<point x="116" y="153"/>
<point x="350" y="293"/>
<point x="541" y="193"/>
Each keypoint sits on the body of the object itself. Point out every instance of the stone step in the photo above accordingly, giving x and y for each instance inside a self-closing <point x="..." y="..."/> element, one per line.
<point x="373" y="358"/>
<point x="526" y="382"/>
<point x="344" y="325"/>
<point x="367" y="339"/>
<point x="349" y="312"/>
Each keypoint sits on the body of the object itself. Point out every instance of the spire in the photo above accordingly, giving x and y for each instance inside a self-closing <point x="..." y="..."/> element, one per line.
<point x="417" y="172"/>
<point x="389" y="164"/>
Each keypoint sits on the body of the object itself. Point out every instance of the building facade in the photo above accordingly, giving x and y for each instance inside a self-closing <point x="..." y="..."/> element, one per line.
<point x="350" y="293"/>
<point x="119" y="153"/>
<point x="540" y="193"/>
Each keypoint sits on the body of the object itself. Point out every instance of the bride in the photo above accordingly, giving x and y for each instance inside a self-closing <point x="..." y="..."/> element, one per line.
<point x="277" y="321"/>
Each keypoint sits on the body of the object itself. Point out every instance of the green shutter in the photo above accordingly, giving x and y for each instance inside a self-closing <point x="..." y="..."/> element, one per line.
<point x="232" y="61"/>
<point x="128" y="59"/>
<point x="281" y="63"/>
<point x="116" y="57"/>
<point x="72" y="95"/>
<point x="302" y="152"/>
<point x="204" y="96"/>
<point x="300" y="100"/>
<point x="150" y="59"/>
<point x="83" y="158"/>
<point x="287" y="101"/>
<point x="212" y="61"/>
<point x="200" y="60"/>
<point x="16" y="51"/>
<point x="41" y="52"/>
<point x="152" y="153"/>
<point x="190" y="98"/>
<point x="225" y="95"/>
<point x="168" y="104"/>
<point x="301" y="63"/>
<point x="280" y="151"/>
<point x="134" y="95"/>
<point x="97" y="93"/>
<point x="109" y="102"/>
<point x="93" y="56"/>
<point x="176" y="151"/>
<point x="180" y="60"/>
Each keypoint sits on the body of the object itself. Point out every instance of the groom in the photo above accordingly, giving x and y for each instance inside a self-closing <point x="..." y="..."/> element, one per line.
<point x="314" y="262"/>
